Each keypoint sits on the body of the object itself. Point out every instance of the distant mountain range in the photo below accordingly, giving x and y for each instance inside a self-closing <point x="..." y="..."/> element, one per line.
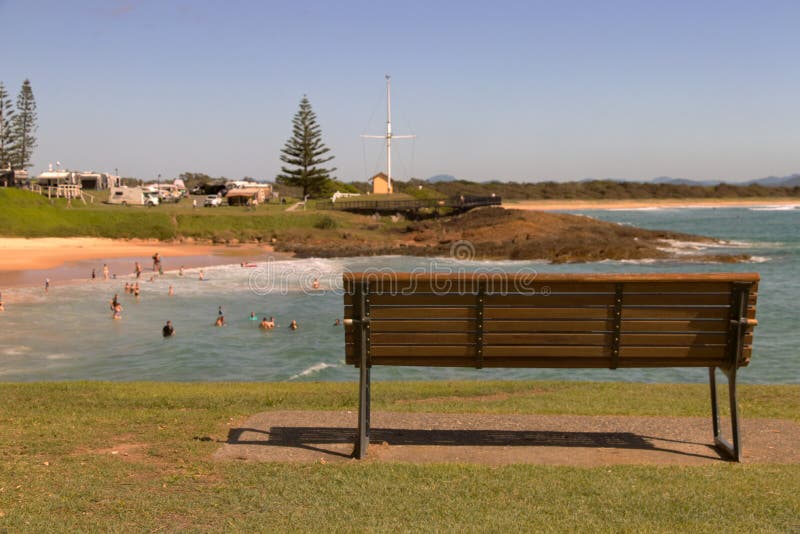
<point x="792" y="180"/>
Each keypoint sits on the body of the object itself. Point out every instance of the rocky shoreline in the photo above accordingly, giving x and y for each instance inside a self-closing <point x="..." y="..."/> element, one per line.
<point x="498" y="233"/>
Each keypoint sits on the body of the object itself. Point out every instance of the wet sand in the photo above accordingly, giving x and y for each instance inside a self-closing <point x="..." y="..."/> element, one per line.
<point x="26" y="262"/>
<point x="563" y="205"/>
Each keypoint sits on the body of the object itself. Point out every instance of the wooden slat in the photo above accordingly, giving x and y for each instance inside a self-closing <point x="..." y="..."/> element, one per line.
<point x="548" y="313"/>
<point x="547" y="326"/>
<point x="718" y="325"/>
<point x="677" y="286"/>
<point x="672" y="352"/>
<point x="551" y="301"/>
<point x="546" y="339"/>
<point x="673" y="339"/>
<point x="420" y="299"/>
<point x="674" y="313"/>
<point x="633" y="363"/>
<point x="543" y="362"/>
<point x="503" y="284"/>
<point x="422" y="326"/>
<point x="350" y="278"/>
<point x="423" y="350"/>
<point x="422" y="313"/>
<point x="696" y="299"/>
<point x="380" y="338"/>
<point x="525" y="351"/>
<point x="430" y="361"/>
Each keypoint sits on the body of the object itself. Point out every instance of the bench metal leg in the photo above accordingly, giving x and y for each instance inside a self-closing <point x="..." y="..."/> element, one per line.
<point x="362" y="440"/>
<point x="732" y="451"/>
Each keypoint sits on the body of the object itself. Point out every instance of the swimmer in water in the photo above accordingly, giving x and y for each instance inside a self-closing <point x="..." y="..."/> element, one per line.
<point x="171" y="291"/>
<point x="219" y="311"/>
<point x="136" y="290"/>
<point x="253" y="316"/>
<point x="220" y="321"/>
<point x="266" y="325"/>
<point x="105" y="271"/>
<point x="293" y="325"/>
<point x="200" y="277"/>
<point x="168" y="330"/>
<point x="47" y="285"/>
<point x="127" y="287"/>
<point x="117" y="311"/>
<point x="337" y="322"/>
<point x="114" y="301"/>
<point x="315" y="284"/>
<point x="180" y="271"/>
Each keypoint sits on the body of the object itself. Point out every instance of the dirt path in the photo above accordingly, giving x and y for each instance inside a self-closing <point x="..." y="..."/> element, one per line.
<point x="306" y="436"/>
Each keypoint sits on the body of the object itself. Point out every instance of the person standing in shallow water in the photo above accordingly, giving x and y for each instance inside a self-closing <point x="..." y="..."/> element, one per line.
<point x="168" y="330"/>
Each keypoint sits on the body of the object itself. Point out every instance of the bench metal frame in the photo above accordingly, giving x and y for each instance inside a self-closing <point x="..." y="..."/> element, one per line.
<point x="738" y="325"/>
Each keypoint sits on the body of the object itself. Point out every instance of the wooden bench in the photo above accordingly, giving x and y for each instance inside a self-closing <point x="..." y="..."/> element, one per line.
<point x="551" y="321"/>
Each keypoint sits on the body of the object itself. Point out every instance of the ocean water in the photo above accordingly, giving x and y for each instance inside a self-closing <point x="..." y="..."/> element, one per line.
<point x="69" y="334"/>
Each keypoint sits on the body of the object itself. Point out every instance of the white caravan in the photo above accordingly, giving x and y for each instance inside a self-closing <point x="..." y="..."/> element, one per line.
<point x="132" y="196"/>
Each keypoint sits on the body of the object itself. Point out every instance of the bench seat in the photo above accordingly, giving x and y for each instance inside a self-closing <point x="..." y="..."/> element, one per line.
<point x="527" y="320"/>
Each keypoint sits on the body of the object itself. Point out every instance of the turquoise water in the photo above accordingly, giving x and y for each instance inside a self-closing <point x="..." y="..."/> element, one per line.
<point x="69" y="334"/>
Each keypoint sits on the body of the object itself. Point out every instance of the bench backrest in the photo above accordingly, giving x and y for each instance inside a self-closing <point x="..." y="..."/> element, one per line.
<point x="524" y="320"/>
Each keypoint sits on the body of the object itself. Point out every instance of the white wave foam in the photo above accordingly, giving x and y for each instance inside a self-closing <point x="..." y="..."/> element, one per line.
<point x="758" y="259"/>
<point x="57" y="356"/>
<point x="15" y="350"/>
<point x="316" y="368"/>
<point x="647" y="208"/>
<point x="786" y="207"/>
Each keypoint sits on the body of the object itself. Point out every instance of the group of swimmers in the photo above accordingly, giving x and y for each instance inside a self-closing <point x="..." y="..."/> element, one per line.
<point x="266" y="324"/>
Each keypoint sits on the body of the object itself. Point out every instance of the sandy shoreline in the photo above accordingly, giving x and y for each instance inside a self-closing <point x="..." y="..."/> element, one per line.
<point x="29" y="261"/>
<point x="561" y="204"/>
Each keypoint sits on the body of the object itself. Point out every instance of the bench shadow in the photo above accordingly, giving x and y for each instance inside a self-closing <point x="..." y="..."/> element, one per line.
<point x="315" y="439"/>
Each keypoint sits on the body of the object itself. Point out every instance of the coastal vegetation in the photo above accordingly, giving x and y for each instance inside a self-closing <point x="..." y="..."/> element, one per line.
<point x="585" y="190"/>
<point x="491" y="232"/>
<point x="94" y="456"/>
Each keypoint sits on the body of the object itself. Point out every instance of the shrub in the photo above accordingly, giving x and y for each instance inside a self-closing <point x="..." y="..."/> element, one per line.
<point x="325" y="223"/>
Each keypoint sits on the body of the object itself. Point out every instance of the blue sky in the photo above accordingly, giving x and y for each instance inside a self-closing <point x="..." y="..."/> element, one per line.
<point x="493" y="90"/>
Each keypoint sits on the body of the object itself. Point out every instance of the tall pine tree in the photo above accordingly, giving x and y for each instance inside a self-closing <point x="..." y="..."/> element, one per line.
<point x="6" y="113"/>
<point x="23" y="127"/>
<point x="303" y="152"/>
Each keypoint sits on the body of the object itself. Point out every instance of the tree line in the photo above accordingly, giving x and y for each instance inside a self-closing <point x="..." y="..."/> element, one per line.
<point x="586" y="190"/>
<point x="17" y="128"/>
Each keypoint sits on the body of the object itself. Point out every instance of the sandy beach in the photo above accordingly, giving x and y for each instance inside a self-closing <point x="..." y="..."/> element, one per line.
<point x="563" y="204"/>
<point x="29" y="261"/>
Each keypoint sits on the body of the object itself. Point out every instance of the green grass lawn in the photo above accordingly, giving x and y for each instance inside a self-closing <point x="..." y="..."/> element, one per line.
<point x="27" y="214"/>
<point x="57" y="472"/>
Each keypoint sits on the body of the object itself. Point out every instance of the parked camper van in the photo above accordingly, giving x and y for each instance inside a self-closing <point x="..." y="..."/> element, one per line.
<point x="132" y="196"/>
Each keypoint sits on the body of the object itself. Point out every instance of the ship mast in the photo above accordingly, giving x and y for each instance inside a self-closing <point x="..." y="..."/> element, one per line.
<point x="388" y="136"/>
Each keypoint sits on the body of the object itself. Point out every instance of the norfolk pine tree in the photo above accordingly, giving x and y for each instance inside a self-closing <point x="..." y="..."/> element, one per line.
<point x="23" y="126"/>
<point x="303" y="152"/>
<point x="6" y="113"/>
